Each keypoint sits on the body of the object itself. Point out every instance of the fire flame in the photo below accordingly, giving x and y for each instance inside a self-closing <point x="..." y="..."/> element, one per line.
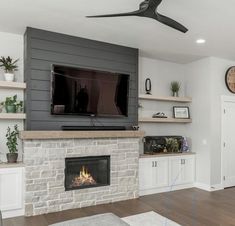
<point x="84" y="178"/>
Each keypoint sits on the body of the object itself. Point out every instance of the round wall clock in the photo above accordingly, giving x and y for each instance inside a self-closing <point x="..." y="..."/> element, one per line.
<point x="230" y="79"/>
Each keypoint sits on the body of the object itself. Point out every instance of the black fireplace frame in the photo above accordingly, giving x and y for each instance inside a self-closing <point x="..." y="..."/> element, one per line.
<point x="107" y="157"/>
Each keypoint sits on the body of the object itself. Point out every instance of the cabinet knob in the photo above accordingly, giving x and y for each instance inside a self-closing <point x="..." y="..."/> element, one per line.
<point x="155" y="163"/>
<point x="182" y="161"/>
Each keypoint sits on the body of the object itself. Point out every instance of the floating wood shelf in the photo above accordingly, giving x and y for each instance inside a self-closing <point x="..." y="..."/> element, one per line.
<point x="169" y="99"/>
<point x="164" y="120"/>
<point x="12" y="116"/>
<point x="12" y="85"/>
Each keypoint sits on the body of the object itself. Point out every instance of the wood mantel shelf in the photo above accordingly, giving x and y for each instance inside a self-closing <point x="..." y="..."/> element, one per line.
<point x="47" y="135"/>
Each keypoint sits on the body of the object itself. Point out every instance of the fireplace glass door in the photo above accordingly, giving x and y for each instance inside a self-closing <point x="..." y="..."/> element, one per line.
<point x="87" y="172"/>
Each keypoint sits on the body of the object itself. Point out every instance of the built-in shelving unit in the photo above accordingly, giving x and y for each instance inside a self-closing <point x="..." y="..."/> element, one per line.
<point x="16" y="86"/>
<point x="164" y="120"/>
<point x="165" y="98"/>
<point x="12" y="116"/>
<point x="12" y="85"/>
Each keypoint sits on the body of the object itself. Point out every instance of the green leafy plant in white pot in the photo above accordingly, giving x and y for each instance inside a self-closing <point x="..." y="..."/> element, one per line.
<point x="175" y="87"/>
<point x="172" y="145"/>
<point x="12" y="105"/>
<point x="12" y="138"/>
<point x="9" y="66"/>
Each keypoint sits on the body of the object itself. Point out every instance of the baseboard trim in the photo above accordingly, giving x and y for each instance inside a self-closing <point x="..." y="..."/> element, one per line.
<point x="205" y="187"/>
<point x="217" y="187"/>
<point x="202" y="186"/>
<point x="164" y="189"/>
<point x="12" y="213"/>
<point x="209" y="188"/>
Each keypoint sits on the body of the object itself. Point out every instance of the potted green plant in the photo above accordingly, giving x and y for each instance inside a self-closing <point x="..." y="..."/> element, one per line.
<point x="175" y="87"/>
<point x="12" y="136"/>
<point x="172" y="145"/>
<point x="9" y="66"/>
<point x="12" y="105"/>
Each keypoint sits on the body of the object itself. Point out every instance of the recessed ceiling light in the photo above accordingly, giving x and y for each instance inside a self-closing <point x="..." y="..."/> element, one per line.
<point x="201" y="41"/>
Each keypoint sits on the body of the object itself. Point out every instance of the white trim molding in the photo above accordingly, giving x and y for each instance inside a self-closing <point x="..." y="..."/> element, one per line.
<point x="224" y="99"/>
<point x="209" y="188"/>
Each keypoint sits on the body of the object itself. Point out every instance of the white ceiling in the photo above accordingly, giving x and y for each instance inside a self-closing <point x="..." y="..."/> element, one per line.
<point x="213" y="20"/>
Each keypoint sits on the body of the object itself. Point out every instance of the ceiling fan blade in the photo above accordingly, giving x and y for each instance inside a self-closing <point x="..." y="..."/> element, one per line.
<point x="148" y="8"/>
<point x="134" y="13"/>
<point x="154" y="3"/>
<point x="171" y="23"/>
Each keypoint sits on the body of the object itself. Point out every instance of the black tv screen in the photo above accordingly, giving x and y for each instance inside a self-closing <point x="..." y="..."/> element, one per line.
<point x="80" y="91"/>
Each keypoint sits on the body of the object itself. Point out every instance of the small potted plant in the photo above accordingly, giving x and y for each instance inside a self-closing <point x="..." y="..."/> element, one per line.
<point x="12" y="136"/>
<point x="12" y="105"/>
<point x="175" y="87"/>
<point x="9" y="66"/>
<point x="172" y="145"/>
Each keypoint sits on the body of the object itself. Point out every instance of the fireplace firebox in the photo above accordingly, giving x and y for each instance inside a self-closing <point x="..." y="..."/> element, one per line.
<point x="87" y="172"/>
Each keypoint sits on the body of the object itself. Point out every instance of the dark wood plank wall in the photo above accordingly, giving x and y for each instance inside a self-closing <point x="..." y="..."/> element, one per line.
<point x="44" y="48"/>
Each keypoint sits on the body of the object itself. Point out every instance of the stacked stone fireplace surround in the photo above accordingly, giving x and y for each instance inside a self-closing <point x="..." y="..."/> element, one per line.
<point x="45" y="164"/>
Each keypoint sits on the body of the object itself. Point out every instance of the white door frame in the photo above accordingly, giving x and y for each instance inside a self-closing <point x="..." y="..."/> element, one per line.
<point x="224" y="99"/>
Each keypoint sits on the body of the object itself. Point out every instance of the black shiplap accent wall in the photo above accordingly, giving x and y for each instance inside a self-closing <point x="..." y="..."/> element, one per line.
<point x="44" y="48"/>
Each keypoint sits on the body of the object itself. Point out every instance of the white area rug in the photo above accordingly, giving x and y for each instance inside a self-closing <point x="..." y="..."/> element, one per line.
<point x="109" y="219"/>
<point x="149" y="219"/>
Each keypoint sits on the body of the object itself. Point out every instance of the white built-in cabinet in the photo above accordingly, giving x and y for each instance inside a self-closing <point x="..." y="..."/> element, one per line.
<point x="153" y="173"/>
<point x="181" y="170"/>
<point x="162" y="174"/>
<point x="12" y="191"/>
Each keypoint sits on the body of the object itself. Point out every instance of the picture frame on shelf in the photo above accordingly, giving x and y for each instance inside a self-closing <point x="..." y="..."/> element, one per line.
<point x="181" y="112"/>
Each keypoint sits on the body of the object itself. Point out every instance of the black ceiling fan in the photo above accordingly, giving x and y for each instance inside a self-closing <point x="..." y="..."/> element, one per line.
<point x="148" y="8"/>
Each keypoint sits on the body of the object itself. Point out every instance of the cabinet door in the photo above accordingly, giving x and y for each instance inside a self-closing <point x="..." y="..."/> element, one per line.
<point x="153" y="173"/>
<point x="11" y="189"/>
<point x="161" y="172"/>
<point x="181" y="170"/>
<point x="146" y="173"/>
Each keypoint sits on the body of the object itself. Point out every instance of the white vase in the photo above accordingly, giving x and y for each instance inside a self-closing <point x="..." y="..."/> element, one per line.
<point x="9" y="77"/>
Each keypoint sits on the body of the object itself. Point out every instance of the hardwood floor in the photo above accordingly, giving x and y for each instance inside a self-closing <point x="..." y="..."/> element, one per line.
<point x="186" y="207"/>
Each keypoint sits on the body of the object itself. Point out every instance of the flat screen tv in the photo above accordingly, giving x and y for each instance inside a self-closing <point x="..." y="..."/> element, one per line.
<point x="81" y="91"/>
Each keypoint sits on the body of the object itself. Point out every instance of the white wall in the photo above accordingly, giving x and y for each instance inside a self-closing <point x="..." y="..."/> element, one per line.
<point x="198" y="80"/>
<point x="10" y="45"/>
<point x="206" y="84"/>
<point x="218" y="70"/>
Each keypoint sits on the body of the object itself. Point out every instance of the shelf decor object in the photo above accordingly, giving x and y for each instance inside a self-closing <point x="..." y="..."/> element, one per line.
<point x="181" y="112"/>
<point x="12" y="137"/>
<point x="175" y="87"/>
<point x="12" y="105"/>
<point x="9" y="66"/>
<point x="148" y="86"/>
<point x="230" y="79"/>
